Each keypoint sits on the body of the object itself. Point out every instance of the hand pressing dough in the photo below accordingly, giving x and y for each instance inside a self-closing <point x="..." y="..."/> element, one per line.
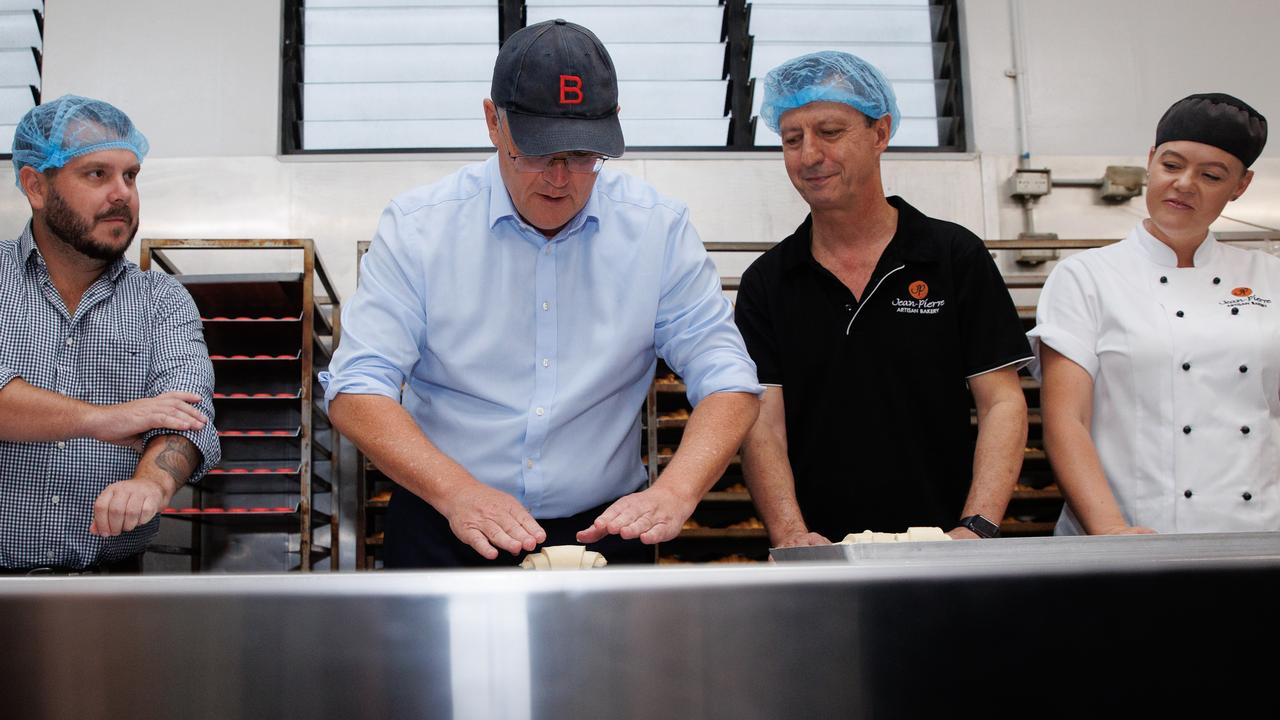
<point x="915" y="534"/>
<point x="563" y="557"/>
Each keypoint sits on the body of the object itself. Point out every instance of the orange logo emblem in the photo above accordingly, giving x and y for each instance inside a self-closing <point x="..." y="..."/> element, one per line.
<point x="1242" y="292"/>
<point x="918" y="289"/>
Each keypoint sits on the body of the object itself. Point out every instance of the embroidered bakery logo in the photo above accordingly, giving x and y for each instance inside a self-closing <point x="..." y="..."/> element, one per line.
<point x="920" y="304"/>
<point x="1244" y="296"/>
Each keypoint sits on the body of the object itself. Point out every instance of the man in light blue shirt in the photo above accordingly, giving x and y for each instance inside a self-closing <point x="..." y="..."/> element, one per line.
<point x="522" y="304"/>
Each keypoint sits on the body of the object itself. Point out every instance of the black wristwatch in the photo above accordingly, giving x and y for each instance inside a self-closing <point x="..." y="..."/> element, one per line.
<point x="980" y="526"/>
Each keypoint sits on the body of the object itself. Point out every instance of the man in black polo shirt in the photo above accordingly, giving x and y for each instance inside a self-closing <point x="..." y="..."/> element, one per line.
<point x="877" y="322"/>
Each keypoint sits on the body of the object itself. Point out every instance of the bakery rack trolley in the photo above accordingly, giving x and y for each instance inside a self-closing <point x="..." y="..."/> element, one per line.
<point x="269" y="335"/>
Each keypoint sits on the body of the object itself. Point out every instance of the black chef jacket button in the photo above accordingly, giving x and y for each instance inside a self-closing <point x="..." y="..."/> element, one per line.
<point x="1186" y="366"/>
<point x="1217" y="281"/>
<point x="1163" y="279"/>
<point x="1247" y="496"/>
<point x="1179" y="313"/>
<point x="1244" y="368"/>
<point x="1186" y="429"/>
<point x="1244" y="429"/>
<point x="1187" y="494"/>
<point x="1235" y="311"/>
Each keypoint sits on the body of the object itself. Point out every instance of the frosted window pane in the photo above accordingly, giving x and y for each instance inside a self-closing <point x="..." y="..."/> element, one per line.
<point x="840" y="25"/>
<point x="6" y="136"/>
<point x="914" y="132"/>
<point x="617" y="3"/>
<point x="22" y="5"/>
<point x="673" y="61"/>
<point x="395" y="134"/>
<point x="399" y="63"/>
<point x="396" y="3"/>
<point x="840" y="3"/>
<point x="898" y="62"/>
<point x="640" y="132"/>
<point x="18" y="30"/>
<point x="18" y="67"/>
<point x="395" y="101"/>
<point x="638" y="24"/>
<point x="401" y="26"/>
<point x="915" y="98"/>
<point x="14" y="103"/>
<point x="667" y="99"/>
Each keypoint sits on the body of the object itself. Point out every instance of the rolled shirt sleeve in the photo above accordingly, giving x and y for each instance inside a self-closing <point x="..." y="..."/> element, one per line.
<point x="180" y="362"/>
<point x="694" y="331"/>
<point x="6" y="375"/>
<point x="384" y="326"/>
<point x="1066" y="317"/>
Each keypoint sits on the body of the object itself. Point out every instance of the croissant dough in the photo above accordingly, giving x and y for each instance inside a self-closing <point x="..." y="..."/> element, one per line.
<point x="563" y="557"/>
<point x="915" y="534"/>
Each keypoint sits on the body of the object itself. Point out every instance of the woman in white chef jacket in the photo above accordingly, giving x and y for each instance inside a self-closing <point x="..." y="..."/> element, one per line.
<point x="1160" y="355"/>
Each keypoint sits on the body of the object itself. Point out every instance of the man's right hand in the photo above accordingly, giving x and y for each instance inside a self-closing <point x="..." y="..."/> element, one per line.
<point x="488" y="520"/>
<point x="124" y="424"/>
<point x="802" y="539"/>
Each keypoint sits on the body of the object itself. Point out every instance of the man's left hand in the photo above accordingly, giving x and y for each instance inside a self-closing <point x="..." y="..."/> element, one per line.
<point x="125" y="505"/>
<point x="654" y="515"/>
<point x="963" y="533"/>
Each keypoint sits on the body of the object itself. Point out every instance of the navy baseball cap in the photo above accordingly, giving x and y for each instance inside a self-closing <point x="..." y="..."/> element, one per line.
<point x="559" y="89"/>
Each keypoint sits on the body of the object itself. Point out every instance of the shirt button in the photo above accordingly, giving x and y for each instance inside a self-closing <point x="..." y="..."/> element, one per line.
<point x="1247" y="496"/>
<point x="546" y="362"/>
<point x="539" y="411"/>
<point x="1216" y="281"/>
<point x="1186" y="429"/>
<point x="71" y="341"/>
<point x="54" y="499"/>
<point x="61" y="445"/>
<point x="1187" y="494"/>
<point x="1244" y="368"/>
<point x="546" y="305"/>
<point x="1179" y="313"/>
<point x="1163" y="279"/>
<point x="51" y="555"/>
<point x="528" y="463"/>
<point x="547" y="250"/>
<point x="1244" y="430"/>
<point x="1235" y="311"/>
<point x="1186" y="366"/>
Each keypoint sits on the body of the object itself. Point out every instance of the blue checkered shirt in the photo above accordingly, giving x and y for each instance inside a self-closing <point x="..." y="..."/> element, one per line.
<point x="134" y="334"/>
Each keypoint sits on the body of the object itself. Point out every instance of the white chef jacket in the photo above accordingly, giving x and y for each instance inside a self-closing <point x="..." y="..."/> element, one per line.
<point x="1186" y="379"/>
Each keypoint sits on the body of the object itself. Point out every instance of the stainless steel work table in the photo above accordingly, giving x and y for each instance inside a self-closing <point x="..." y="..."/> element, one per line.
<point x="1056" y="626"/>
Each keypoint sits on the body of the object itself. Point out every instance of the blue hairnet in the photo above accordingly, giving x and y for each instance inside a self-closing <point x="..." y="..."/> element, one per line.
<point x="50" y="134"/>
<point x="828" y="76"/>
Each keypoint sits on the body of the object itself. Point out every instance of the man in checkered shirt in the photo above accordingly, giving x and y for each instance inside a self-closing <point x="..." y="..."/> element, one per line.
<point x="105" y="380"/>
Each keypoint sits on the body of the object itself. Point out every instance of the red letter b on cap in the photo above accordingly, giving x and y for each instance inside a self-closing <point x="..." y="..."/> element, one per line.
<point x="570" y="90"/>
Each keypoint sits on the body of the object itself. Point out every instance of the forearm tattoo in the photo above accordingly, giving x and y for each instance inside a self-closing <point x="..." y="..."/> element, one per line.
<point x="178" y="457"/>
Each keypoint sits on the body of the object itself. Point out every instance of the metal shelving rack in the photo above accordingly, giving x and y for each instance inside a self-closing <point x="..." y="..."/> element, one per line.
<point x="269" y="335"/>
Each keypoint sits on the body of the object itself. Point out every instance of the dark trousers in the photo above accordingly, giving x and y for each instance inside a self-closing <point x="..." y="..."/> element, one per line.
<point x="416" y="536"/>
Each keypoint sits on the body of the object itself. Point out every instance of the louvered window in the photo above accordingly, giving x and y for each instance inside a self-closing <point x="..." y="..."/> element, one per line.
<point x="410" y="75"/>
<point x="21" y="49"/>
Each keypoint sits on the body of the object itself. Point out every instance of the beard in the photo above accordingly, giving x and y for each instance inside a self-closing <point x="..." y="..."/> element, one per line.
<point x="76" y="232"/>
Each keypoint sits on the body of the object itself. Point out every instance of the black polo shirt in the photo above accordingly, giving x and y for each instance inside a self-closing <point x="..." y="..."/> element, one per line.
<point x="877" y="405"/>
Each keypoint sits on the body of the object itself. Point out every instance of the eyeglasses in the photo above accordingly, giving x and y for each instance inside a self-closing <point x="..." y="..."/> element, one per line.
<point x="583" y="164"/>
<point x="573" y="163"/>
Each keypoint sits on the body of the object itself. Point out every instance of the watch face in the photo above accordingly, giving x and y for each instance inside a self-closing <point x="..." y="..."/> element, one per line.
<point x="981" y="526"/>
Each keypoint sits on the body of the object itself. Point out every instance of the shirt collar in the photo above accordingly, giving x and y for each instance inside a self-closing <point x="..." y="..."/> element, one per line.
<point x="27" y="247"/>
<point x="501" y="207"/>
<point x="1157" y="252"/>
<point x="909" y="241"/>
